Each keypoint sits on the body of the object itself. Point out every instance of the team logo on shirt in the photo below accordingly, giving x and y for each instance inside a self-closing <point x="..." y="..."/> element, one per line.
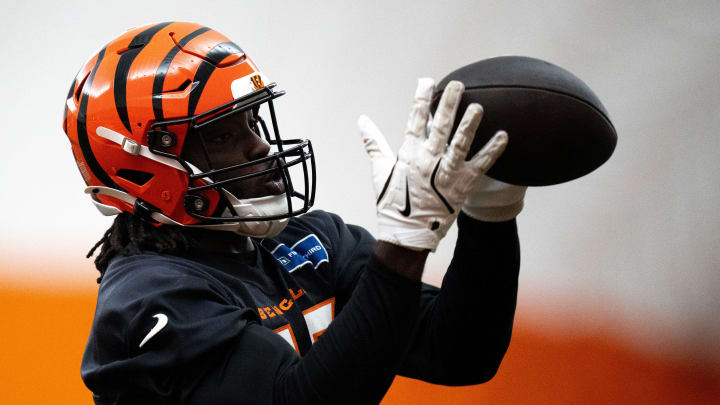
<point x="306" y="250"/>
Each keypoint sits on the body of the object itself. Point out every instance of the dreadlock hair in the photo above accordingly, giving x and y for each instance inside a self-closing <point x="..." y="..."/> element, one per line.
<point x="130" y="235"/>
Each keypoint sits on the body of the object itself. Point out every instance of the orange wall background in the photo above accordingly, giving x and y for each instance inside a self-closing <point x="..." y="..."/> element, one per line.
<point x="44" y="333"/>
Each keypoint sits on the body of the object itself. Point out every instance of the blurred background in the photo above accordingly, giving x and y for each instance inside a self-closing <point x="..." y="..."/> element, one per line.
<point x="620" y="279"/>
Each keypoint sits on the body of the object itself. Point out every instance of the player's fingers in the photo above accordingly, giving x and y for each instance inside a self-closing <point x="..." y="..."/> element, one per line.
<point x="445" y="116"/>
<point x="373" y="139"/>
<point x="420" y="109"/>
<point x="486" y="157"/>
<point x="465" y="134"/>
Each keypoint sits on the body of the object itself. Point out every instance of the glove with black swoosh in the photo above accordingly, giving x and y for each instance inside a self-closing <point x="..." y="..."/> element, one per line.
<point x="420" y="191"/>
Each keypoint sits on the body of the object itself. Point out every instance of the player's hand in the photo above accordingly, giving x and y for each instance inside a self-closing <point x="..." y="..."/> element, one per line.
<point x="419" y="192"/>
<point x="494" y="201"/>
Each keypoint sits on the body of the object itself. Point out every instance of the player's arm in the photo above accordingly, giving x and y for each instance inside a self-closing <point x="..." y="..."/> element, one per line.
<point x="480" y="288"/>
<point x="464" y="327"/>
<point x="463" y="330"/>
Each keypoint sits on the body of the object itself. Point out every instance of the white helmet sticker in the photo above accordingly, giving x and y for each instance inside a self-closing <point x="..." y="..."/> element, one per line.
<point x="248" y="84"/>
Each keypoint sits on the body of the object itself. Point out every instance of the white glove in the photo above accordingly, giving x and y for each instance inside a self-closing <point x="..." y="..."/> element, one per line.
<point x="420" y="191"/>
<point x="494" y="201"/>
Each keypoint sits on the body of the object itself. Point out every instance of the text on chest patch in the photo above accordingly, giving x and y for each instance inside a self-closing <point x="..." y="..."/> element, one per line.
<point x="306" y="250"/>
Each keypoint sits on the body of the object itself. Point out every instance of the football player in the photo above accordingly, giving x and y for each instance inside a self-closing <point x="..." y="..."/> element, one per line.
<point x="219" y="286"/>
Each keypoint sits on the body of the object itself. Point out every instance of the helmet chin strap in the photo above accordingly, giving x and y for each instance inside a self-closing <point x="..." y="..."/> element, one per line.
<point x="258" y="207"/>
<point x="248" y="208"/>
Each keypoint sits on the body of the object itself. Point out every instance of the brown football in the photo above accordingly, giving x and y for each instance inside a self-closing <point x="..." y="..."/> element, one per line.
<point x="558" y="128"/>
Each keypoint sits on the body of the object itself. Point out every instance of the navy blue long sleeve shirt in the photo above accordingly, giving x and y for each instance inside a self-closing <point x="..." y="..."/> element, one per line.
<point x="310" y="316"/>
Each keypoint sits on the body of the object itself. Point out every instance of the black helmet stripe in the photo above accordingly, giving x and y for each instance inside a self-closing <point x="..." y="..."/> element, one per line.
<point x="123" y="67"/>
<point x="208" y="65"/>
<point x="159" y="80"/>
<point x="87" y="152"/>
<point x="65" y="112"/>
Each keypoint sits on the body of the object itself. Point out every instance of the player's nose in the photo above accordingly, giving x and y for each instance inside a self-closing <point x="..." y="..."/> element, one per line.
<point x="257" y="147"/>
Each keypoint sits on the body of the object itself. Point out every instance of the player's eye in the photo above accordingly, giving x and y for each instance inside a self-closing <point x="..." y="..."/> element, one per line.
<point x="252" y="122"/>
<point x="220" y="138"/>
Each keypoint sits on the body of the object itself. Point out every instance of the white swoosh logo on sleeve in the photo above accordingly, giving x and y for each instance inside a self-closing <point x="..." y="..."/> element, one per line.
<point x="162" y="321"/>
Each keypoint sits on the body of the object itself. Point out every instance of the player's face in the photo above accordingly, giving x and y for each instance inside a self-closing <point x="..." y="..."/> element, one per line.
<point x="232" y="141"/>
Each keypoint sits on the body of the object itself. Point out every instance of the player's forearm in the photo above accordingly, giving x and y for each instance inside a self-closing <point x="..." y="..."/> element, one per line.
<point x="406" y="262"/>
<point x="464" y="329"/>
<point x="480" y="287"/>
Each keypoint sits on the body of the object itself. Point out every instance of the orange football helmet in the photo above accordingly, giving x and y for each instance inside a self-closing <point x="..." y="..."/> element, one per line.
<point x="134" y="104"/>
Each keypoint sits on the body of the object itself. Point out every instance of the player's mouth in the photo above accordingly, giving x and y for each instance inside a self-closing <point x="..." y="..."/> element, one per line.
<point x="270" y="183"/>
<point x="273" y="183"/>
